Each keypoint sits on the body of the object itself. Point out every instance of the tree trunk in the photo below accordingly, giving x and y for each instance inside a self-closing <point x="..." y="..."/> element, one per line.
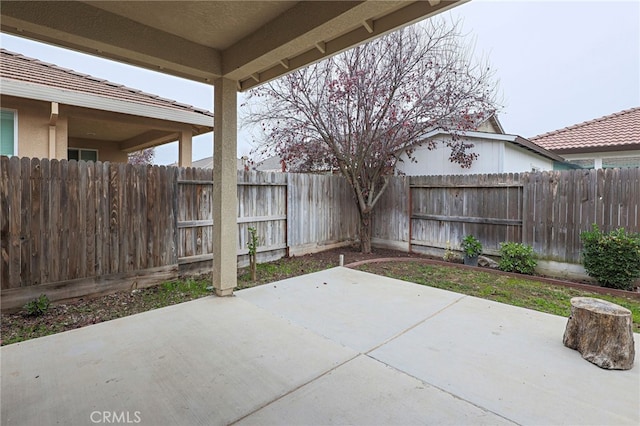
<point x="602" y="332"/>
<point x="365" y="232"/>
<point x="252" y="266"/>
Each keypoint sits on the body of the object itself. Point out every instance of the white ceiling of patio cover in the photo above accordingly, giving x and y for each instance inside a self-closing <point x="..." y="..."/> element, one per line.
<point x="247" y="41"/>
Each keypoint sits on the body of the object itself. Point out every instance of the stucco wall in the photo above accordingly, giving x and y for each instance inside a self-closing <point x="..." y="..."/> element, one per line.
<point x="33" y="128"/>
<point x="33" y="132"/>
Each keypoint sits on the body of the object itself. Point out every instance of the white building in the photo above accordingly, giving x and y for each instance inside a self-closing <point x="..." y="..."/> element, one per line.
<point x="497" y="153"/>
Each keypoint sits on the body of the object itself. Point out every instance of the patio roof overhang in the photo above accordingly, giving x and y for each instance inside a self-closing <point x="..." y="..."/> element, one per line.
<point x="234" y="45"/>
<point x="246" y="41"/>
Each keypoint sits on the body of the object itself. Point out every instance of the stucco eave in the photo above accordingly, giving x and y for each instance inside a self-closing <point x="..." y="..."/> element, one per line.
<point x="85" y="100"/>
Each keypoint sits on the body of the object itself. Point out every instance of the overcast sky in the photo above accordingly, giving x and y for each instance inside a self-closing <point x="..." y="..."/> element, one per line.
<point x="558" y="63"/>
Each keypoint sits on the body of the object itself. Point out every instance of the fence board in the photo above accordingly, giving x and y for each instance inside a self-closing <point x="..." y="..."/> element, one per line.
<point x="25" y="223"/>
<point x="90" y="231"/>
<point x="72" y="215"/>
<point x="4" y="222"/>
<point x="33" y="262"/>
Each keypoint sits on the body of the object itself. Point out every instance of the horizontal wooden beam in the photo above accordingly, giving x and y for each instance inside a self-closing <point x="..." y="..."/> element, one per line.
<point x="263" y="249"/>
<point x="196" y="182"/>
<point x="249" y="219"/>
<point x="261" y="184"/>
<point x="210" y="182"/>
<point x="468" y="219"/>
<point x="209" y="222"/>
<point x="194" y="223"/>
<point x="195" y="259"/>
<point x="15" y="298"/>
<point x="244" y="251"/>
<point x="462" y="185"/>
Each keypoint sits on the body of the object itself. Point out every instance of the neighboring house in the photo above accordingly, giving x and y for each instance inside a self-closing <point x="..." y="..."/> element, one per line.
<point x="271" y="164"/>
<point x="207" y="163"/>
<point x="606" y="142"/>
<point x="52" y="112"/>
<point x="497" y="153"/>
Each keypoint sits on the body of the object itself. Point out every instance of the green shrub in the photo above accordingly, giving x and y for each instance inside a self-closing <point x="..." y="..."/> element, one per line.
<point x="613" y="259"/>
<point x="471" y="246"/>
<point x="37" y="306"/>
<point x="517" y="257"/>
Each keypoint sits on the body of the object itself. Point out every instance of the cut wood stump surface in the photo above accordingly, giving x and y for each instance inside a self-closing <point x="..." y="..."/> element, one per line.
<point x="602" y="332"/>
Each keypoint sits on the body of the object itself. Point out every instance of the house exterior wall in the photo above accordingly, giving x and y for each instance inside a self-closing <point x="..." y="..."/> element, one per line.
<point x="33" y="128"/>
<point x="436" y="161"/>
<point x="493" y="157"/>
<point x="518" y="160"/>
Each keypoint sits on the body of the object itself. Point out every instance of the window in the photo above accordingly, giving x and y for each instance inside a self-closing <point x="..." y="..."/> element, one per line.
<point x="82" y="154"/>
<point x="585" y="164"/>
<point x="621" y="162"/>
<point x="8" y="132"/>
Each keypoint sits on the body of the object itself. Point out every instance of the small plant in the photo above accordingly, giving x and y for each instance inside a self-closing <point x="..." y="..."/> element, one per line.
<point x="37" y="306"/>
<point x="450" y="255"/>
<point x="471" y="246"/>
<point x="517" y="257"/>
<point x="252" y="245"/>
<point x="613" y="259"/>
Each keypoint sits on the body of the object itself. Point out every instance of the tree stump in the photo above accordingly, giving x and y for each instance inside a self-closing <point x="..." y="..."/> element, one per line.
<point x="602" y="332"/>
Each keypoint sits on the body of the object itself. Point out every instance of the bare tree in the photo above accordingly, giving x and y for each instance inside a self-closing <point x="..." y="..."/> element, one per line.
<point x="144" y="156"/>
<point x="357" y="112"/>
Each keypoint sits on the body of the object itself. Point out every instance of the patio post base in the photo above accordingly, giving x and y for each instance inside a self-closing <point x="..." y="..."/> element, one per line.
<point x="602" y="332"/>
<point x="223" y="292"/>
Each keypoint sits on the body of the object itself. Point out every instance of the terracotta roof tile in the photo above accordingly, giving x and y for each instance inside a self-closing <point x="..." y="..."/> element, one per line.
<point x="615" y="130"/>
<point x="15" y="66"/>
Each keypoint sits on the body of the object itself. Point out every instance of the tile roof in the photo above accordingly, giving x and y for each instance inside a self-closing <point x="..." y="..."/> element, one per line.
<point x="15" y="66"/>
<point x="616" y="130"/>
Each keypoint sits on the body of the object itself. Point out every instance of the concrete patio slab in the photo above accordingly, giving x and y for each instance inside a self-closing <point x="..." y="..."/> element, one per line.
<point x="367" y="392"/>
<point x="334" y="347"/>
<point x="207" y="362"/>
<point x="512" y="362"/>
<point x="353" y="308"/>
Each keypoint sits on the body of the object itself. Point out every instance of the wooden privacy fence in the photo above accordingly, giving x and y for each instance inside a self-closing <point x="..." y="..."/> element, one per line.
<point x="66" y="220"/>
<point x="558" y="206"/>
<point x="547" y="210"/>
<point x="70" y="228"/>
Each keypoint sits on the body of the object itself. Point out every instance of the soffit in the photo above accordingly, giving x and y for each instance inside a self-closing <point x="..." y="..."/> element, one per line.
<point x="86" y="128"/>
<point x="247" y="41"/>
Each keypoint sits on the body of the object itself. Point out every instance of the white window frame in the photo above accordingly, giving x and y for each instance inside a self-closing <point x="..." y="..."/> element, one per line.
<point x="15" y="129"/>
<point x="83" y="149"/>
